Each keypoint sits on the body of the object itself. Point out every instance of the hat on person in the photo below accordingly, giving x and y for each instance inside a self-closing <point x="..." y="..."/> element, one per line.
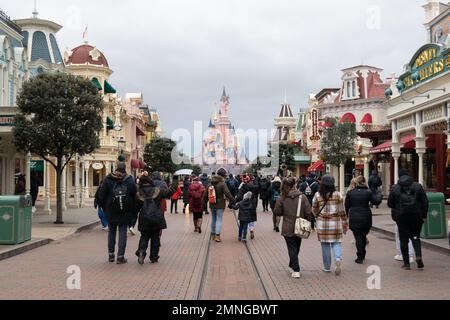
<point x="402" y="173"/>
<point x="121" y="167"/>
<point x="222" y="172"/>
<point x="248" y="195"/>
<point x="246" y="179"/>
<point x="312" y="176"/>
<point x="277" y="179"/>
<point x="328" y="181"/>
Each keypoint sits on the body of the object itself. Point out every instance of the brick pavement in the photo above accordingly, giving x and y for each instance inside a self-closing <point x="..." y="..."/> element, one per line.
<point x="41" y="273"/>
<point x="230" y="273"/>
<point x="271" y="252"/>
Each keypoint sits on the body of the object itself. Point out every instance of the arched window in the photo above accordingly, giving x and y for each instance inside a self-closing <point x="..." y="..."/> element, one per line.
<point x="40" y="47"/>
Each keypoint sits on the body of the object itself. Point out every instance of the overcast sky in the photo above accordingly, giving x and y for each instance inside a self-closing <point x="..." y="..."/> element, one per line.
<point x="180" y="53"/>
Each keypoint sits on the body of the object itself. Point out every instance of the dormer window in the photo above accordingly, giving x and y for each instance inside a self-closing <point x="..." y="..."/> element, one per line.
<point x="351" y="89"/>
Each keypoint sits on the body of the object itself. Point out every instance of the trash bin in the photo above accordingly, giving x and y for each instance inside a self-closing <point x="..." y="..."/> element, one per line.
<point x="15" y="219"/>
<point x="435" y="227"/>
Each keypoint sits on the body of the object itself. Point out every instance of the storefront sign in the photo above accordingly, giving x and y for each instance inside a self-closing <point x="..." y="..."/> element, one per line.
<point x="37" y="166"/>
<point x="315" y="125"/>
<point x="97" y="166"/>
<point x="430" y="61"/>
<point x="7" y="120"/>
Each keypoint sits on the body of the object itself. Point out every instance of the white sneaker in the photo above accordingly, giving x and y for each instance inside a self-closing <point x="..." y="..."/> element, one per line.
<point x="411" y="260"/>
<point x="296" y="275"/>
<point x="33" y="210"/>
<point x="326" y="271"/>
<point x="398" y="257"/>
<point x="337" y="269"/>
<point x="105" y="228"/>
<point x="132" y="231"/>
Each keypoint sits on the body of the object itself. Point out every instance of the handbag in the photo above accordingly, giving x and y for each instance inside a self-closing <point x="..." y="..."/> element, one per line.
<point x="302" y="226"/>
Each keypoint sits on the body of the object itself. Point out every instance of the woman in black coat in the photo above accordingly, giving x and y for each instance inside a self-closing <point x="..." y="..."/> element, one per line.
<point x="264" y="193"/>
<point x="357" y="206"/>
<point x="186" y="185"/>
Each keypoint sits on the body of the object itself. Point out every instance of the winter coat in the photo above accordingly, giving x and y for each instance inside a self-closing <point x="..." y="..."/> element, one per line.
<point x="374" y="182"/>
<point x="196" y="187"/>
<point x="159" y="183"/>
<point x="186" y="185"/>
<point x="204" y="180"/>
<point x="222" y="191"/>
<point x="406" y="182"/>
<point x="357" y="206"/>
<point x="246" y="209"/>
<point x="287" y="208"/>
<point x="249" y="187"/>
<point x="177" y="194"/>
<point x="157" y="194"/>
<point x="329" y="222"/>
<point x="233" y="186"/>
<point x="314" y="185"/>
<point x="105" y="198"/>
<point x="264" y="189"/>
<point x="34" y="187"/>
<point x="275" y="187"/>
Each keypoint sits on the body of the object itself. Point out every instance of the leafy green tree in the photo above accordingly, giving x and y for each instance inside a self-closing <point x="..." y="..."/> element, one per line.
<point x="59" y="116"/>
<point x="338" y="142"/>
<point x="158" y="155"/>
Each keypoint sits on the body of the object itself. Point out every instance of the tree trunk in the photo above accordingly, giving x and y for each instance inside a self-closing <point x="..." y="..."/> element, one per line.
<point x="59" y="211"/>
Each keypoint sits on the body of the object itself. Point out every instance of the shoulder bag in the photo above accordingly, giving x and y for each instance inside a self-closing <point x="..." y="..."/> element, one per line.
<point x="302" y="226"/>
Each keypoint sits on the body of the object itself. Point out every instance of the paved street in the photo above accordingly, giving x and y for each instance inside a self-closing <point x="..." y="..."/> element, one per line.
<point x="230" y="272"/>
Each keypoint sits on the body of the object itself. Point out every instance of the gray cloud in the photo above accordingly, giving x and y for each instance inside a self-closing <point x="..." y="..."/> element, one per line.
<point x="179" y="53"/>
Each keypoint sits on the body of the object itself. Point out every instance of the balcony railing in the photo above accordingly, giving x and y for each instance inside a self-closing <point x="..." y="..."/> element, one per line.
<point x="374" y="127"/>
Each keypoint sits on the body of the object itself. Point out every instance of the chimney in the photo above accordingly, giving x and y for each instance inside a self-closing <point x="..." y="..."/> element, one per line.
<point x="432" y="10"/>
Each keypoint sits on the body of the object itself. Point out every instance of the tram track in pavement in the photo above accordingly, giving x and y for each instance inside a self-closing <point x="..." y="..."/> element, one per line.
<point x="201" y="293"/>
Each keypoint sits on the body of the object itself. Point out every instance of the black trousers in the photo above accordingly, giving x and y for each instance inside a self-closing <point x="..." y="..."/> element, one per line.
<point x="265" y="204"/>
<point x="112" y="233"/>
<point x="293" y="246"/>
<point x="361" y="242"/>
<point x="154" y="239"/>
<point x="409" y="228"/>
<point x="173" y="204"/>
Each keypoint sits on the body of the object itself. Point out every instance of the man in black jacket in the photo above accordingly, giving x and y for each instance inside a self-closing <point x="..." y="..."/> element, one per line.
<point x="117" y="197"/>
<point x="309" y="188"/>
<point x="409" y="204"/>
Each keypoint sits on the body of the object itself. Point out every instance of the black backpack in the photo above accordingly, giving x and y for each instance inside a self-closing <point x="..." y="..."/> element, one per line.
<point x="408" y="202"/>
<point x="120" y="195"/>
<point x="151" y="215"/>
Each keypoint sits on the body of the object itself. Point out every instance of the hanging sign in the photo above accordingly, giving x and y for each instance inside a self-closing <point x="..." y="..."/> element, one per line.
<point x="315" y="125"/>
<point x="97" y="166"/>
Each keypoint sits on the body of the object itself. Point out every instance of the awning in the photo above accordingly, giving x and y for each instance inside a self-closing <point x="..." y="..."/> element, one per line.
<point x="348" y="118"/>
<point x="139" y="132"/>
<point x="325" y="125"/>
<point x="135" y="164"/>
<point x="317" y="166"/>
<point x="367" y="119"/>
<point x="407" y="142"/>
<point x="97" y="83"/>
<point x="109" y="123"/>
<point x="109" y="88"/>
<point x="184" y="172"/>
<point x="142" y="164"/>
<point x="359" y="167"/>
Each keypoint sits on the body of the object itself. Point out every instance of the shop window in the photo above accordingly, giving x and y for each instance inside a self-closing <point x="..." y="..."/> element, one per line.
<point x="97" y="178"/>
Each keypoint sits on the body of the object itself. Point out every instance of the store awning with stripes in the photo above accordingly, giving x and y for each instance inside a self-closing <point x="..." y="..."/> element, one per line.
<point x="317" y="166"/>
<point x="407" y="142"/>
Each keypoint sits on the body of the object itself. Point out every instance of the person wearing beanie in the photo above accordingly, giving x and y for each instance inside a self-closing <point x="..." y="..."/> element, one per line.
<point x="409" y="204"/>
<point x="274" y="194"/>
<point x="245" y="208"/>
<point x="332" y="223"/>
<point x="249" y="185"/>
<point x="215" y="194"/>
<point x="117" y="198"/>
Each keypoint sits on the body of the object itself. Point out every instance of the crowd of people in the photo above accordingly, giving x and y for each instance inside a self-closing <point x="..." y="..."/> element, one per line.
<point x="123" y="201"/>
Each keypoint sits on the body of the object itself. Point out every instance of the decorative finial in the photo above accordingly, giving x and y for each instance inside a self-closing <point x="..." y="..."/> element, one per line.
<point x="85" y="35"/>
<point x="35" y="12"/>
<point x="285" y="95"/>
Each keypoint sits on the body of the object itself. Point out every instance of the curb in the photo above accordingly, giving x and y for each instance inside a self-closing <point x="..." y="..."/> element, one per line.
<point x="34" y="245"/>
<point x="425" y="244"/>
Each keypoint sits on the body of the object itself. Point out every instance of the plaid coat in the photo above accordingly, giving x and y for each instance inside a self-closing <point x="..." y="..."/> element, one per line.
<point x="329" y="222"/>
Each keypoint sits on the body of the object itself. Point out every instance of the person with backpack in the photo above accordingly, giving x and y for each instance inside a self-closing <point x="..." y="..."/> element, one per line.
<point x="186" y="185"/>
<point x="250" y="186"/>
<point x="264" y="186"/>
<point x="357" y="206"/>
<point x="204" y="179"/>
<point x="275" y="192"/>
<point x="151" y="216"/>
<point x="291" y="203"/>
<point x="174" y="200"/>
<point x="332" y="222"/>
<point x="195" y="196"/>
<point x="375" y="182"/>
<point x="232" y="185"/>
<point x="409" y="204"/>
<point x="216" y="193"/>
<point x="309" y="188"/>
<point x="245" y="207"/>
<point x="117" y="197"/>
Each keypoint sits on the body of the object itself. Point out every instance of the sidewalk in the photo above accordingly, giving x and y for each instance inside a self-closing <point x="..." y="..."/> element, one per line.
<point x="45" y="231"/>
<point x="382" y="222"/>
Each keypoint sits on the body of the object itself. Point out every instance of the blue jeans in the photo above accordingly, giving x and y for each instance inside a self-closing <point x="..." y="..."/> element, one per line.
<point x="252" y="225"/>
<point x="326" y="253"/>
<point x="216" y="220"/>
<point x="102" y="217"/>
<point x="243" y="226"/>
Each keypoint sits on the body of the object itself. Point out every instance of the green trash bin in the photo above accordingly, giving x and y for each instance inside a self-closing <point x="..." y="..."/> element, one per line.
<point x="435" y="227"/>
<point x="15" y="219"/>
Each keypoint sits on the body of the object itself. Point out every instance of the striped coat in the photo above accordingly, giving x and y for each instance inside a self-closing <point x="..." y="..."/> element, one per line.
<point x="329" y="223"/>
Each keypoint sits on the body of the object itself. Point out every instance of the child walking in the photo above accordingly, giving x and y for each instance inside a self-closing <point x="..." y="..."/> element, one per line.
<point x="246" y="208"/>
